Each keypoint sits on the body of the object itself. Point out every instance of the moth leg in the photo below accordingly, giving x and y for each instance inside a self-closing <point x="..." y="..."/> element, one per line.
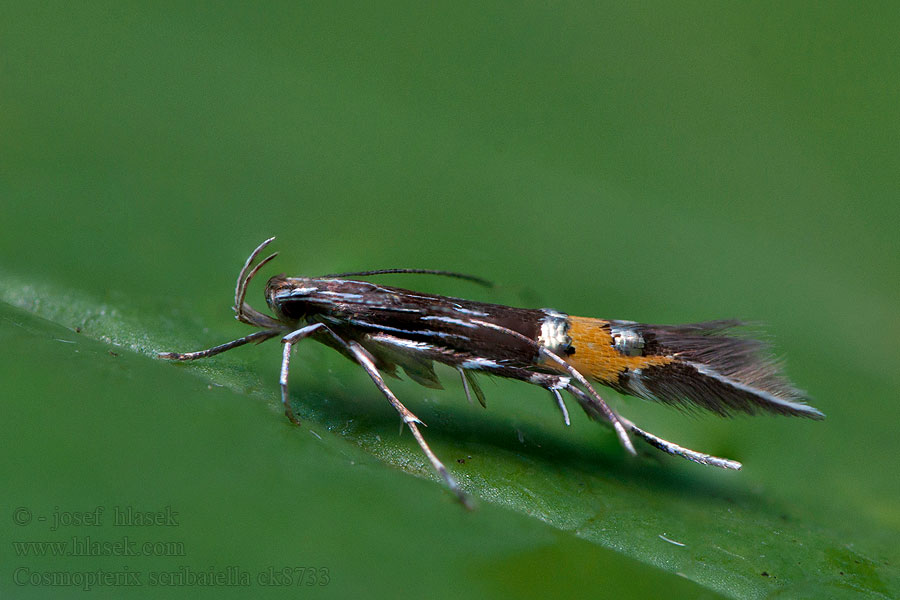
<point x="562" y="405"/>
<point x="598" y="403"/>
<point x="660" y="444"/>
<point x="289" y="340"/>
<point x="553" y="383"/>
<point x="363" y="358"/>
<point x="259" y="336"/>
<point x="686" y="453"/>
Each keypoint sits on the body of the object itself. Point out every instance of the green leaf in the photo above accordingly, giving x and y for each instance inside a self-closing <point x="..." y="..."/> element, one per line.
<point x="161" y="435"/>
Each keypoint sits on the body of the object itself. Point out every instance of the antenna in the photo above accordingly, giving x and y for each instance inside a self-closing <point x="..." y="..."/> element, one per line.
<point x="471" y="278"/>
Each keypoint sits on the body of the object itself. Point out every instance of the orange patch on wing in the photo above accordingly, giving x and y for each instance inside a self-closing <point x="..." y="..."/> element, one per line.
<point x="595" y="357"/>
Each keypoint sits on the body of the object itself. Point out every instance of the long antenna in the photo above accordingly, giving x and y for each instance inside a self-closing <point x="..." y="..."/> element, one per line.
<point x="471" y="278"/>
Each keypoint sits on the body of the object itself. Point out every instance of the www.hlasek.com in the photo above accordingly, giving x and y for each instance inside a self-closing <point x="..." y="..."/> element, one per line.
<point x="184" y="576"/>
<point x="85" y="545"/>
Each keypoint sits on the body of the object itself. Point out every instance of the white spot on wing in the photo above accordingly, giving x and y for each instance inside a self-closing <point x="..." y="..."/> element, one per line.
<point x="481" y="363"/>
<point x="296" y="292"/>
<point x="343" y="296"/>
<point x="627" y="341"/>
<point x="376" y="305"/>
<point x="450" y="320"/>
<point x="425" y="332"/>
<point x="554" y="331"/>
<point x="402" y="343"/>
<point x="466" y="311"/>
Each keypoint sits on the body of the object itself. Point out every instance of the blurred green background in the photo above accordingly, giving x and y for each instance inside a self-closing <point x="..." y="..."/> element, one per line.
<point x="650" y="161"/>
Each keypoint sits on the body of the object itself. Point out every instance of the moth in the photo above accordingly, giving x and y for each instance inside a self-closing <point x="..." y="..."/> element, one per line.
<point x="710" y="365"/>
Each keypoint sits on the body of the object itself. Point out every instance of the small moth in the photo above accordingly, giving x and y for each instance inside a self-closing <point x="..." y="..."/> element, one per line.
<point x="707" y="365"/>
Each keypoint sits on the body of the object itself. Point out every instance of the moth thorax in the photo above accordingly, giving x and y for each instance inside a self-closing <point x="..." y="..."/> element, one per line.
<point x="555" y="332"/>
<point x="627" y="341"/>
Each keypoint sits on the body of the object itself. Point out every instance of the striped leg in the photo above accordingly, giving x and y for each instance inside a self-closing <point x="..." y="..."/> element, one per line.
<point x="289" y="340"/>
<point x="587" y="402"/>
<point x="365" y="360"/>
<point x="259" y="336"/>
<point x="410" y="419"/>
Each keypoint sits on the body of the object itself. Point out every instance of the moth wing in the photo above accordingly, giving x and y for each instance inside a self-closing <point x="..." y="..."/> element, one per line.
<point x="418" y="368"/>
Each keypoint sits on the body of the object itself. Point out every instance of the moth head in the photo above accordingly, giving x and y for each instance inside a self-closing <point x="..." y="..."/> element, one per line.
<point x="287" y="297"/>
